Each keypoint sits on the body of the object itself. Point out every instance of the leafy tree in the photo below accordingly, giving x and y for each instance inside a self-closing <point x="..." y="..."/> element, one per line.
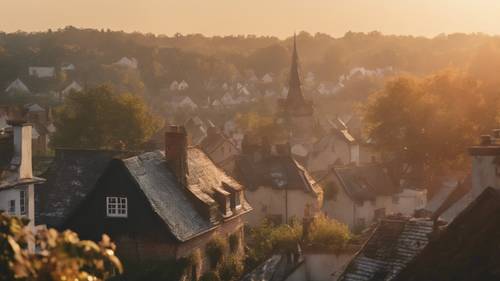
<point x="101" y="118"/>
<point x="327" y="234"/>
<point x="425" y="124"/>
<point x="61" y="256"/>
<point x="230" y="269"/>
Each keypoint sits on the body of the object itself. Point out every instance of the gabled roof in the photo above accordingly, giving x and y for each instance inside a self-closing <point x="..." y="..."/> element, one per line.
<point x="365" y="182"/>
<point x="17" y="85"/>
<point x="70" y="178"/>
<point x="277" y="171"/>
<point x="176" y="204"/>
<point x="394" y="243"/>
<point x="466" y="250"/>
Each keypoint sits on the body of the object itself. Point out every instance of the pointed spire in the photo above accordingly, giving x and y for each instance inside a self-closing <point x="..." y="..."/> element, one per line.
<point x="294" y="89"/>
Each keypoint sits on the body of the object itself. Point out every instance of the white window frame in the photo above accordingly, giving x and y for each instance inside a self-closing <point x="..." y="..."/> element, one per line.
<point x="22" y="202"/>
<point x="116" y="207"/>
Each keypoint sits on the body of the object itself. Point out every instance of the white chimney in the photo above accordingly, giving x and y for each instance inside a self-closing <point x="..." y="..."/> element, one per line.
<point x="22" y="148"/>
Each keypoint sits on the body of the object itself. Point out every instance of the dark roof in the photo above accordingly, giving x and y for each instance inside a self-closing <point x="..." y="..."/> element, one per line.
<point x="394" y="243"/>
<point x="175" y="204"/>
<point x="278" y="171"/>
<point x="365" y="182"/>
<point x="70" y="178"/>
<point x="467" y="250"/>
<point x="453" y="198"/>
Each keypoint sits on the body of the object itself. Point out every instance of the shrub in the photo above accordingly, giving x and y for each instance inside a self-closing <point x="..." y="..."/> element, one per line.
<point x="328" y="234"/>
<point x="215" y="250"/>
<point x="234" y="242"/>
<point x="210" y="276"/>
<point x="62" y="256"/>
<point x="230" y="269"/>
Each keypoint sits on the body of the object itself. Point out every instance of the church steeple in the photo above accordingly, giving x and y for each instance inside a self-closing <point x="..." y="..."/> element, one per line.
<point x="295" y="96"/>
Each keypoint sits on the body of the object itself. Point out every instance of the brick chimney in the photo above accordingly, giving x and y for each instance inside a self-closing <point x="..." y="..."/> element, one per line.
<point x="176" y="152"/>
<point x="22" y="148"/>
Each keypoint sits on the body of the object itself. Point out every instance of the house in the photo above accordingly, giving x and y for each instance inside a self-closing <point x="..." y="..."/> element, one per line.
<point x="278" y="187"/>
<point x="358" y="195"/>
<point x="163" y="205"/>
<point x="42" y="71"/>
<point x="336" y="147"/>
<point x="73" y="87"/>
<point x="196" y="129"/>
<point x="466" y="249"/>
<point x="17" y="182"/>
<point x="267" y="78"/>
<point x="183" y="85"/>
<point x="127" y="63"/>
<point x="68" y="67"/>
<point x="183" y="103"/>
<point x="17" y="87"/>
<point x="394" y="244"/>
<point x="220" y="149"/>
<point x="485" y="173"/>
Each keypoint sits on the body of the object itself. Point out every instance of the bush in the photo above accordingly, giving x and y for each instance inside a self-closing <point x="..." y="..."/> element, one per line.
<point x="215" y="250"/>
<point x="326" y="234"/>
<point x="234" y="242"/>
<point x="230" y="269"/>
<point x="62" y="256"/>
<point x="210" y="276"/>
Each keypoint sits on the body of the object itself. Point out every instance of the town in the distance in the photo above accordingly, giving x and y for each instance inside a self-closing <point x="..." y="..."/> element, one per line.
<point x="367" y="157"/>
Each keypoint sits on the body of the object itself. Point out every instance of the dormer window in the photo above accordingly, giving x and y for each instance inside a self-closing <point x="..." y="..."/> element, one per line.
<point x="116" y="207"/>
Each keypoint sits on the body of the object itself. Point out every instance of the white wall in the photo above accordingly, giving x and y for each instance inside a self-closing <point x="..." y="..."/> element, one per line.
<point x="268" y="201"/>
<point x="320" y="267"/>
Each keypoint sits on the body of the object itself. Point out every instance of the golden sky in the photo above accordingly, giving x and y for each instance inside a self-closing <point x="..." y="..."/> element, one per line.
<point x="260" y="17"/>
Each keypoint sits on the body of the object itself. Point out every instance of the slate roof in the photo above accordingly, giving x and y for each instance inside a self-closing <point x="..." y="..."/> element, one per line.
<point x="467" y="250"/>
<point x="393" y="244"/>
<point x="277" y="171"/>
<point x="170" y="200"/>
<point x="365" y="182"/>
<point x="70" y="178"/>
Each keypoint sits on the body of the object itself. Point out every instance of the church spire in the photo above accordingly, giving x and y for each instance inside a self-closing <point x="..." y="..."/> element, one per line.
<point x="294" y="88"/>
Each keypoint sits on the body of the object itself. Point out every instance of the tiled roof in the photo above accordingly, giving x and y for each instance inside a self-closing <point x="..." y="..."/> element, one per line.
<point x="70" y="178"/>
<point x="395" y="242"/>
<point x="365" y="182"/>
<point x="275" y="171"/>
<point x="171" y="201"/>
<point x="466" y="250"/>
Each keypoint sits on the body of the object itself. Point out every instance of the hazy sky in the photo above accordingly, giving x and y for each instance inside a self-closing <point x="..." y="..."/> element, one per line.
<point x="261" y="17"/>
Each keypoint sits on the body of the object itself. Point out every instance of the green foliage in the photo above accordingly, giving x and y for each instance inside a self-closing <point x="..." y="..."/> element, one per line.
<point x="234" y="242"/>
<point x="327" y="234"/>
<point x="62" y="256"/>
<point x="230" y="269"/>
<point x="210" y="276"/>
<point x="101" y="118"/>
<point x="215" y="250"/>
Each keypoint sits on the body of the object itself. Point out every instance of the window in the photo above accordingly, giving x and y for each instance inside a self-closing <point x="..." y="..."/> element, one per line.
<point x="12" y="207"/>
<point x="237" y="199"/>
<point x="22" y="202"/>
<point x="116" y="207"/>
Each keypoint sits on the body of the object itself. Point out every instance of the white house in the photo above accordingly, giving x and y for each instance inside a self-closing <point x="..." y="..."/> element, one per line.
<point x="17" y="86"/>
<point x="17" y="181"/>
<point x="183" y="103"/>
<point x="267" y="78"/>
<point x="68" y="67"/>
<point x="359" y="195"/>
<point x="73" y="87"/>
<point x="183" y="85"/>
<point x="279" y="188"/>
<point x="174" y="86"/>
<point x="42" y="71"/>
<point x="127" y="62"/>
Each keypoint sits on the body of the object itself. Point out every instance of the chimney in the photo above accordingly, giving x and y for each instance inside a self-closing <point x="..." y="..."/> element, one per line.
<point x="485" y="140"/>
<point x="22" y="148"/>
<point x="176" y="151"/>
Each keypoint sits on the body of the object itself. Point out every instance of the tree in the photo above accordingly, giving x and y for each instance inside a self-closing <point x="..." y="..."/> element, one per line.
<point x="61" y="256"/>
<point x="100" y="118"/>
<point x="427" y="123"/>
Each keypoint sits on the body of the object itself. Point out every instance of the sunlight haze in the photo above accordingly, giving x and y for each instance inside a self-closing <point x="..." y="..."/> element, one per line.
<point x="260" y="17"/>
